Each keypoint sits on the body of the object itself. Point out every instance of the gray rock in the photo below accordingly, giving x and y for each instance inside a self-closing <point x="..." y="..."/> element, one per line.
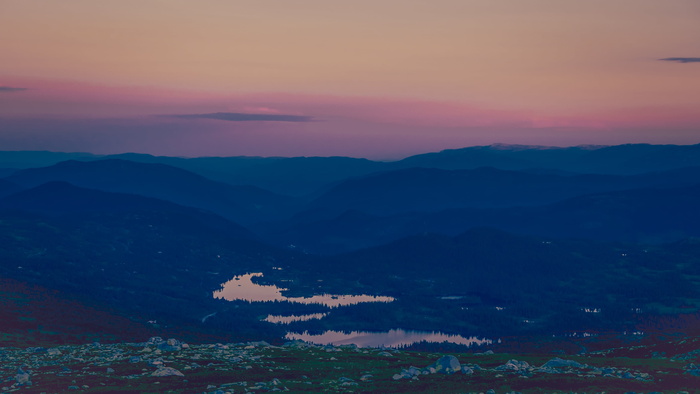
<point x="561" y="363"/>
<point x="171" y="345"/>
<point x="259" y="344"/>
<point x="53" y="352"/>
<point x="405" y="374"/>
<point x="23" y="377"/>
<point x="446" y="365"/>
<point x="607" y="371"/>
<point x="414" y="371"/>
<point x="385" y="354"/>
<point x="167" y="371"/>
<point x="692" y="369"/>
<point x="694" y="372"/>
<point x="154" y="341"/>
<point x="514" y="366"/>
<point x="297" y="344"/>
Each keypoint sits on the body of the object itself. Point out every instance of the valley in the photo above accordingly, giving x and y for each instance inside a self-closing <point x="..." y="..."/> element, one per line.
<point x="452" y="257"/>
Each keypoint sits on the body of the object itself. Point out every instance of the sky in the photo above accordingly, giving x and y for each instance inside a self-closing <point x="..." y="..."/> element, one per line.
<point x="381" y="79"/>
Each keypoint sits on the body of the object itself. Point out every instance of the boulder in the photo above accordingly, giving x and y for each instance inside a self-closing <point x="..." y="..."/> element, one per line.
<point x="171" y="345"/>
<point x="692" y="369"/>
<point x="446" y="365"/>
<point x="167" y="371"/>
<point x="514" y="366"/>
<point x="154" y="341"/>
<point x="297" y="344"/>
<point x="259" y="344"/>
<point x="561" y="363"/>
<point x="23" y="377"/>
<point x="53" y="352"/>
<point x="156" y="362"/>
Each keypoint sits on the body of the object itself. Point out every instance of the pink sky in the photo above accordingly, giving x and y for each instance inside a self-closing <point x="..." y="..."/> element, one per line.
<point x="380" y="79"/>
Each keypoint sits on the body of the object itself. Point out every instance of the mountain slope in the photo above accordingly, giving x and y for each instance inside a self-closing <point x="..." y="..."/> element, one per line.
<point x="62" y="198"/>
<point x="650" y="215"/>
<point x="7" y="187"/>
<point x="243" y="204"/>
<point x="432" y="190"/>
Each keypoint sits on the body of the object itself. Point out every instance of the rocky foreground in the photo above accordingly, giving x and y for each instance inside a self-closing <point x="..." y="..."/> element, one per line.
<point x="158" y="365"/>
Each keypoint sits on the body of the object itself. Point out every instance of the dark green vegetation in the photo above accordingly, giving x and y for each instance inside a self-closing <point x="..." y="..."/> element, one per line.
<point x="538" y="249"/>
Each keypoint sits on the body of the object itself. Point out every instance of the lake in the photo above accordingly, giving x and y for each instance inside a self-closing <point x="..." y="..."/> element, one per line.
<point x="391" y="338"/>
<point x="241" y="287"/>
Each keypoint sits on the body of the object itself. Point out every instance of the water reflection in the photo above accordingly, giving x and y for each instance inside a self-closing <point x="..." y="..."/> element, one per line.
<point x="392" y="338"/>
<point x="242" y="288"/>
<point x="293" y="318"/>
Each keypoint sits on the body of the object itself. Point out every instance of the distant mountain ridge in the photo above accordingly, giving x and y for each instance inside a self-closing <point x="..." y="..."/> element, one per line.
<point x="299" y="176"/>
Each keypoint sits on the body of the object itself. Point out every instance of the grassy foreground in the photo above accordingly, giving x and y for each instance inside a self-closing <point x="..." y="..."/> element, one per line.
<point x="160" y="366"/>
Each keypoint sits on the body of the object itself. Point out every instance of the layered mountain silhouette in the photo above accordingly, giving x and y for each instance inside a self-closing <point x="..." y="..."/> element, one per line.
<point x="243" y="204"/>
<point x="302" y="176"/>
<point x="483" y="239"/>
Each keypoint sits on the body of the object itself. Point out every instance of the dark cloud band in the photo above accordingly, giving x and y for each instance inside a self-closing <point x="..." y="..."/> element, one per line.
<point x="10" y="89"/>
<point x="682" y="59"/>
<point x="240" y="117"/>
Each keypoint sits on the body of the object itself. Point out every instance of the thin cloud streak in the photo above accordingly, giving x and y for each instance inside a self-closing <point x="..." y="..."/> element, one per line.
<point x="682" y="59"/>
<point x="243" y="117"/>
<point x="9" y="89"/>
